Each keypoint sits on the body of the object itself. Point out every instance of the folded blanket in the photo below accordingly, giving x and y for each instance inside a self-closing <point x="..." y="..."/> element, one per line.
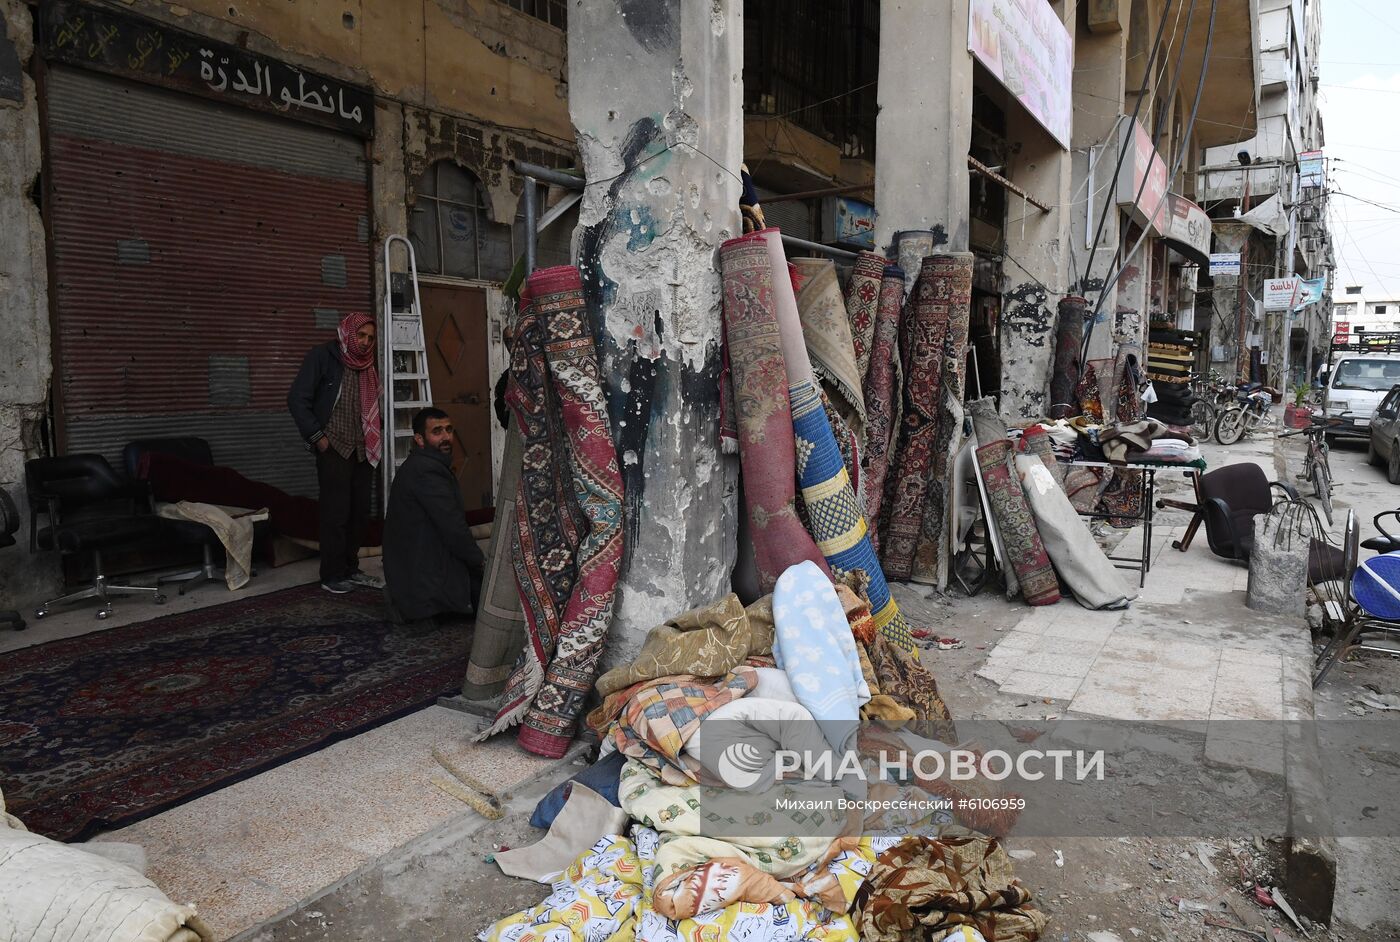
<point x="52" y="892"/>
<point x="656" y="723"/>
<point x="696" y="824"/>
<point x="610" y="892"/>
<point x="705" y="642"/>
<point x="756" y="729"/>
<point x="926" y="886"/>
<point x="813" y="644"/>
<point x="236" y="535"/>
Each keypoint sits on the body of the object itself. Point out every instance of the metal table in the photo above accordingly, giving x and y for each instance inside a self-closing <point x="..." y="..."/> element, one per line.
<point x="1142" y="563"/>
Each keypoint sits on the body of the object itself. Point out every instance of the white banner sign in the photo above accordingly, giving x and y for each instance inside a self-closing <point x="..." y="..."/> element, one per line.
<point x="1224" y="263"/>
<point x="1281" y="294"/>
<point x="1024" y="44"/>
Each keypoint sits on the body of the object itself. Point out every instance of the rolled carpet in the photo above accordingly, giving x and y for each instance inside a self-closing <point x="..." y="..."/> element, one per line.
<point x="924" y="327"/>
<point x="953" y="283"/>
<point x="911" y="247"/>
<point x="827" y="333"/>
<point x="837" y="521"/>
<point x="499" y="633"/>
<point x="862" y="306"/>
<point x="882" y="392"/>
<point x="1019" y="536"/>
<point x="571" y="662"/>
<point x="546" y="531"/>
<point x="1069" y="341"/>
<point x="764" y="416"/>
<point x="795" y="358"/>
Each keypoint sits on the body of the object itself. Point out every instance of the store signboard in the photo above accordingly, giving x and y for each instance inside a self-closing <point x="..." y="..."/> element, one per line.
<point x="1342" y="330"/>
<point x="852" y="222"/>
<point x="1189" y="226"/>
<point x="1224" y="263"/>
<point x="1142" y="186"/>
<point x="1281" y="294"/>
<point x="1312" y="169"/>
<point x="1026" y="46"/>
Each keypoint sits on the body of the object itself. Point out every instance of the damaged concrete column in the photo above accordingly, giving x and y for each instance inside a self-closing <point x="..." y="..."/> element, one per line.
<point x="660" y="131"/>
<point x="924" y="128"/>
<point x="25" y="354"/>
<point x="1100" y="57"/>
<point x="1232" y="304"/>
<point x="1037" y="265"/>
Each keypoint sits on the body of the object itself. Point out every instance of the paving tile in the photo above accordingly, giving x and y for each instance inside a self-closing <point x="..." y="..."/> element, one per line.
<point x="1260" y="757"/>
<point x="1016" y="642"/>
<point x="1080" y="630"/>
<point x="227" y="900"/>
<point x="1027" y="683"/>
<point x="1039" y="617"/>
<point x="1107" y="704"/>
<point x="1066" y="664"/>
<point x="998" y="670"/>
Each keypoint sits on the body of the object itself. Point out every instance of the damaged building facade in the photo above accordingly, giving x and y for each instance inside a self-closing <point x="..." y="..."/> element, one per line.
<point x="1268" y="203"/>
<point x="204" y="188"/>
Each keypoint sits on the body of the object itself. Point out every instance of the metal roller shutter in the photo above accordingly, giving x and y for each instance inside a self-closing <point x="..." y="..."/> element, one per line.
<point x="199" y="251"/>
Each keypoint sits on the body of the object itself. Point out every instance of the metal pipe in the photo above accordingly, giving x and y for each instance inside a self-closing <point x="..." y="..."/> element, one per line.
<point x="978" y="167"/>
<point x="548" y="175"/>
<point x="813" y="194"/>
<point x="796" y="243"/>
<point x="531" y="236"/>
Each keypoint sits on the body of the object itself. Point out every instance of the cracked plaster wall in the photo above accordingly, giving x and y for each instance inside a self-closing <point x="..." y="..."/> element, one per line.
<point x="24" y="318"/>
<point x="659" y="134"/>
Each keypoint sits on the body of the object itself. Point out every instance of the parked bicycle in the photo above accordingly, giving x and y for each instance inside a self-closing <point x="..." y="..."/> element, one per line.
<point x="1211" y="395"/>
<point x="1316" y="467"/>
<point x="1251" y="409"/>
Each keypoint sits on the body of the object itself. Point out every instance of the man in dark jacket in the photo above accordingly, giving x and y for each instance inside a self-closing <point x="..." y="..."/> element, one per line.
<point x="431" y="562"/>
<point x="334" y="401"/>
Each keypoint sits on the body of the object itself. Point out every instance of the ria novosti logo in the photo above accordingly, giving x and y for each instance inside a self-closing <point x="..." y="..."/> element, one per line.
<point x="741" y="765"/>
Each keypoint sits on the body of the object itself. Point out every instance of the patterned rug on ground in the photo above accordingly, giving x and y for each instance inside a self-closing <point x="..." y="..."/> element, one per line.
<point x="103" y="729"/>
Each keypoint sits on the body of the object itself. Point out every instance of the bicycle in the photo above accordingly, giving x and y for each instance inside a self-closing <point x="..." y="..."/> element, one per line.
<point x="1316" y="466"/>
<point x="1241" y="419"/>
<point x="1210" y="396"/>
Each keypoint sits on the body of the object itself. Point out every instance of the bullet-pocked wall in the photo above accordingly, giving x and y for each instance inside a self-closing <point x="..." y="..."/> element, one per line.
<point x="25" y="357"/>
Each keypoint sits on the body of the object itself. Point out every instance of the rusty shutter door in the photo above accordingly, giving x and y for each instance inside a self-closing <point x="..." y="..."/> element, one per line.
<point x="199" y="251"/>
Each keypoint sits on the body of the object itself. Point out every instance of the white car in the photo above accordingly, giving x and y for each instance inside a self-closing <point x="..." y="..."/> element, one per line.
<point x="1355" y="387"/>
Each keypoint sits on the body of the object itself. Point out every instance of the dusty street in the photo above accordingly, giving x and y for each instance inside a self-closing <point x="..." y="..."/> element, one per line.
<point x="1126" y="887"/>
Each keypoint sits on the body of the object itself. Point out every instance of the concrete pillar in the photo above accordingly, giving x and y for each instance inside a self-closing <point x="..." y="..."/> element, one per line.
<point x="25" y="355"/>
<point x="660" y="131"/>
<point x="1100" y="59"/>
<point x="1230" y="300"/>
<point x="924" y="127"/>
<point x="1037" y="266"/>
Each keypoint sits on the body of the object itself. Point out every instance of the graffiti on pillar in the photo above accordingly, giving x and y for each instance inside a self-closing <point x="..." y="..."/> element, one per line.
<point x="643" y="382"/>
<point x="1129" y="322"/>
<point x="1027" y="313"/>
<point x="653" y="23"/>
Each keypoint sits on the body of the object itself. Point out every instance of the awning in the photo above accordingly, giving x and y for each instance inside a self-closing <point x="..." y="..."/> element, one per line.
<point x="1186" y="229"/>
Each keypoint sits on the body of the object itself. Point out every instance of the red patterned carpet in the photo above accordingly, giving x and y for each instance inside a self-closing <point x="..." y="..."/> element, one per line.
<point x="101" y="730"/>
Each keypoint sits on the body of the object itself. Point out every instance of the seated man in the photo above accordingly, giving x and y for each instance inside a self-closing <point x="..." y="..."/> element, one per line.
<point x="431" y="563"/>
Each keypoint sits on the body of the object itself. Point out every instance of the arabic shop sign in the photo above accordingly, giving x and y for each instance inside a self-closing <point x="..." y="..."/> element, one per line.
<point x="1281" y="294"/>
<point x="1142" y="191"/>
<point x="103" y="39"/>
<point x="852" y="222"/>
<point x="1024" y="44"/>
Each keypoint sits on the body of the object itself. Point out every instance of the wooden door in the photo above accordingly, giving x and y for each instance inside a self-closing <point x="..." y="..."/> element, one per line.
<point x="454" y="329"/>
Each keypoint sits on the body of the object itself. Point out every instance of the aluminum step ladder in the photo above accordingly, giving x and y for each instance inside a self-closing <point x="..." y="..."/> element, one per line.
<point x="407" y="387"/>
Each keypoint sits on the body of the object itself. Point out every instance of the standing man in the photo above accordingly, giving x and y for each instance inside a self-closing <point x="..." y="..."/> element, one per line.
<point x="431" y="560"/>
<point x="335" y="403"/>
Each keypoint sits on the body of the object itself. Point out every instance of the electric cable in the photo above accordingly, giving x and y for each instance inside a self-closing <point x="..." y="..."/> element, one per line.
<point x="1123" y="150"/>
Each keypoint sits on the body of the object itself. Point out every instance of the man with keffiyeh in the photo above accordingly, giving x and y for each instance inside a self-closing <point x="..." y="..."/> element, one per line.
<point x="335" y="403"/>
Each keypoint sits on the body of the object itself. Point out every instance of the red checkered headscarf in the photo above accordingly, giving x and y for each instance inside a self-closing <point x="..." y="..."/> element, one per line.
<point x="363" y="363"/>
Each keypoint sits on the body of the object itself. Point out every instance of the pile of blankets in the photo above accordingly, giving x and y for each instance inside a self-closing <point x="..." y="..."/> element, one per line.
<point x="680" y="857"/>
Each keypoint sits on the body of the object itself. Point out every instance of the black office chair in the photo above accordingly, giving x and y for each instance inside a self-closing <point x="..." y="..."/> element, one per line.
<point x="89" y="508"/>
<point x="196" y="451"/>
<point x="9" y="526"/>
